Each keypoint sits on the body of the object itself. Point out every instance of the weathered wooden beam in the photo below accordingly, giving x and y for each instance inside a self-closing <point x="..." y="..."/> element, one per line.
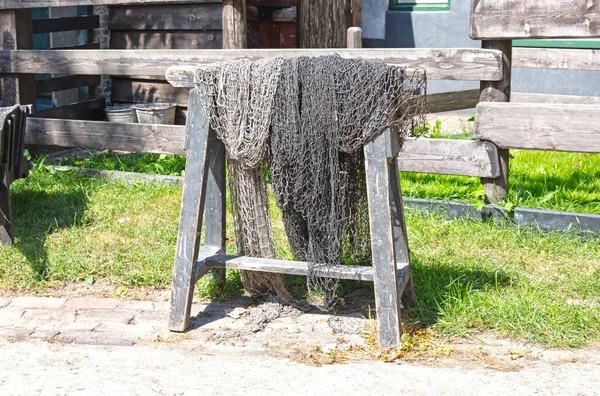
<point x="524" y="19"/>
<point x="63" y="83"/>
<point x="192" y="210"/>
<point x="20" y="4"/>
<point x="519" y="97"/>
<point x="496" y="188"/>
<point x="454" y="64"/>
<point x="450" y="157"/>
<point x="449" y="101"/>
<point x="88" y="110"/>
<point x="351" y="272"/>
<point x="531" y="126"/>
<point x="381" y="213"/>
<point x="141" y="138"/>
<point x="51" y="25"/>
<point x="443" y="64"/>
<point x="557" y="58"/>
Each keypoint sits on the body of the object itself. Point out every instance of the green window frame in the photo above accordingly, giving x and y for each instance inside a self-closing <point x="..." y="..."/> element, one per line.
<point x="420" y="5"/>
<point x="559" y="43"/>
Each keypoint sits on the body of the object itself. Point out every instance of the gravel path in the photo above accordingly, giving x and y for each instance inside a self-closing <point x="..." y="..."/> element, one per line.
<point x="186" y="369"/>
<point x="99" y="346"/>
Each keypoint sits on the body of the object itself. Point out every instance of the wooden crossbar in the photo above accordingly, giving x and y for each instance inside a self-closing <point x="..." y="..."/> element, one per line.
<point x="558" y="127"/>
<point x="441" y="64"/>
<point x="525" y="19"/>
<point x="350" y="272"/>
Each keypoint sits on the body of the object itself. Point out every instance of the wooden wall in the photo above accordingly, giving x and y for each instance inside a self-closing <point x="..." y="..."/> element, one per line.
<point x="272" y="24"/>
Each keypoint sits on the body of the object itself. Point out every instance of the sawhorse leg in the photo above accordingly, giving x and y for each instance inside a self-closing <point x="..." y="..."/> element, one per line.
<point x="6" y="220"/>
<point x="391" y="259"/>
<point x="204" y="189"/>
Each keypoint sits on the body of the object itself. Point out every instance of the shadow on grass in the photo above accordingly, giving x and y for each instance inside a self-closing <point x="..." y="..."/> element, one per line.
<point x="38" y="214"/>
<point x="439" y="285"/>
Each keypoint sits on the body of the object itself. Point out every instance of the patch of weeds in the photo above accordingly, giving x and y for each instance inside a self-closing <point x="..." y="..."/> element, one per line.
<point x="209" y="287"/>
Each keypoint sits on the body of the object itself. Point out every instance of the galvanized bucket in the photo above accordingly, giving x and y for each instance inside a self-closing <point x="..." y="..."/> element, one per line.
<point x="122" y="114"/>
<point x="155" y="113"/>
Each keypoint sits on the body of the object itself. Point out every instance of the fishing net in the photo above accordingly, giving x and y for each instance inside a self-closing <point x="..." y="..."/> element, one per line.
<point x="302" y="122"/>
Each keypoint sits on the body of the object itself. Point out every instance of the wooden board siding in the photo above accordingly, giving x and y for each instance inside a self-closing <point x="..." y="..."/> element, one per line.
<point x="272" y="24"/>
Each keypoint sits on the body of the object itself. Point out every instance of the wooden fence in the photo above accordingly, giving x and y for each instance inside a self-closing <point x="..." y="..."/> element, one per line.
<point x="174" y="33"/>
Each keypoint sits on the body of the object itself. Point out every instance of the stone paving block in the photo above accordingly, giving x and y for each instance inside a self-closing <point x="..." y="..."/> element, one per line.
<point x="126" y="331"/>
<point x="4" y="301"/>
<point x="48" y="315"/>
<point x="37" y="302"/>
<point x="15" y="333"/>
<point x="68" y="327"/>
<point x="100" y="339"/>
<point x="105" y="316"/>
<point x="91" y="303"/>
<point x="136" y="305"/>
<point x="44" y="334"/>
<point x="153" y="316"/>
<point x="10" y="316"/>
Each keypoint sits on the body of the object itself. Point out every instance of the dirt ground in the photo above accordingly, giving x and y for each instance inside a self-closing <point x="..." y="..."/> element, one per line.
<point x="248" y="348"/>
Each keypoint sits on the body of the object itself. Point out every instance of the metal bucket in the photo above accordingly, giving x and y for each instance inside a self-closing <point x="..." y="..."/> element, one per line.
<point x="122" y="114"/>
<point x="155" y="113"/>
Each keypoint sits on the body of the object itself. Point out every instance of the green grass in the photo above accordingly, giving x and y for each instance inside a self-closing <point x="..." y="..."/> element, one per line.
<point x="469" y="276"/>
<point x="537" y="179"/>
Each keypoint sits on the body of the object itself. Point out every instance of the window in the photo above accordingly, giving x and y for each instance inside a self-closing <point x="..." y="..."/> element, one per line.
<point x="420" y="5"/>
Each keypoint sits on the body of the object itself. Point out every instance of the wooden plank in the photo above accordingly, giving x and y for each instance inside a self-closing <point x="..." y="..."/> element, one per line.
<point x="519" y="97"/>
<point x="135" y="91"/>
<point x="557" y="58"/>
<point x="64" y="24"/>
<point x="357" y="13"/>
<point x="192" y="211"/>
<point x="88" y="110"/>
<point x="206" y="16"/>
<point x="449" y="101"/>
<point x="127" y="177"/>
<point x="350" y="272"/>
<point x="527" y="19"/>
<point x="439" y="64"/>
<point x="20" y="4"/>
<point x="496" y="189"/>
<point x="450" y="157"/>
<point x="67" y="82"/>
<point x="555" y="127"/>
<point x="387" y="293"/>
<point x="141" y="138"/>
<point x="454" y="64"/>
<point x="215" y="208"/>
<point x="166" y="40"/>
<point x="90" y="46"/>
<point x="404" y="282"/>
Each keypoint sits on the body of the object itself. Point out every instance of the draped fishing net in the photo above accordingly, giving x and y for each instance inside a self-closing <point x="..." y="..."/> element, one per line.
<point x="303" y="122"/>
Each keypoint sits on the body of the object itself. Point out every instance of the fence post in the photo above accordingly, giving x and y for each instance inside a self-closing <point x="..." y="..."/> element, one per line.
<point x="16" y="33"/>
<point x="498" y="91"/>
